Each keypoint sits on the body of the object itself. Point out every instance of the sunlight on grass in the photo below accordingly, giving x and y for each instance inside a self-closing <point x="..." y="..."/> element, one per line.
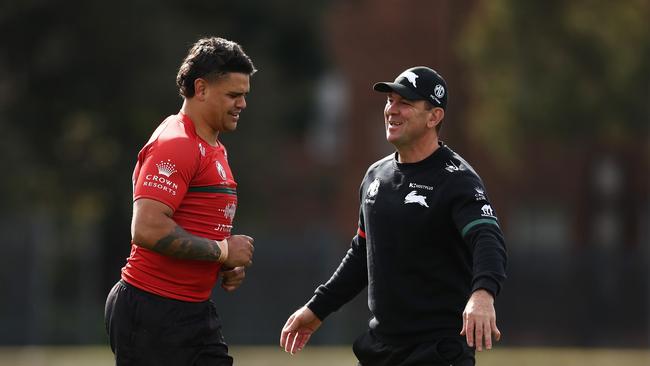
<point x="327" y="356"/>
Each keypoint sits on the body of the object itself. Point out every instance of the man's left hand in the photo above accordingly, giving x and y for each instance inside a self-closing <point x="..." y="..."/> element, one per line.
<point x="480" y="320"/>
<point x="232" y="278"/>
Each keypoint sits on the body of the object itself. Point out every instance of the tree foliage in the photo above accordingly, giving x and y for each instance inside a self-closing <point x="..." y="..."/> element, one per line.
<point x="558" y="71"/>
<point x="83" y="84"/>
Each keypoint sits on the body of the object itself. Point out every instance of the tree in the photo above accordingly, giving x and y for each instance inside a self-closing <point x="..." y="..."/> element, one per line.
<point x="558" y="71"/>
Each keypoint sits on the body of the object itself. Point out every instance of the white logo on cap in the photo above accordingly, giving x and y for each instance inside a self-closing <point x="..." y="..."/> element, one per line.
<point x="411" y="76"/>
<point x="439" y="91"/>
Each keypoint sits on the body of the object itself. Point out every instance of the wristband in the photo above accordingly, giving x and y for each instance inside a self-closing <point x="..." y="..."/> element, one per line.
<point x="223" y="246"/>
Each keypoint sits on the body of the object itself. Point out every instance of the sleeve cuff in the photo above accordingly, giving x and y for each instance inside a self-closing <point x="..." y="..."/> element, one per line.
<point x="486" y="284"/>
<point x="319" y="308"/>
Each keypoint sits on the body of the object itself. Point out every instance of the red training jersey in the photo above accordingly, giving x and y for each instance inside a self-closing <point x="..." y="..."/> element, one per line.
<point x="178" y="168"/>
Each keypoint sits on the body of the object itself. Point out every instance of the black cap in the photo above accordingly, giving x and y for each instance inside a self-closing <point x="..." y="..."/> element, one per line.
<point x="418" y="83"/>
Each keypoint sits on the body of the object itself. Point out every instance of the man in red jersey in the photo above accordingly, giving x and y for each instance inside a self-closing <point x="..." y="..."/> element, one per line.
<point x="184" y="202"/>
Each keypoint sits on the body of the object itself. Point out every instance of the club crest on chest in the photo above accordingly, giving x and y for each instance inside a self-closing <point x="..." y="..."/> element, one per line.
<point x="414" y="197"/>
<point x="221" y="170"/>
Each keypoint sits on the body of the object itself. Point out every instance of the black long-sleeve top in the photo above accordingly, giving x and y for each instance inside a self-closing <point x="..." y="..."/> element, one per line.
<point x="428" y="237"/>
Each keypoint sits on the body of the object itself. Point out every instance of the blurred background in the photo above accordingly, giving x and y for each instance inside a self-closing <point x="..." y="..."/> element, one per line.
<point x="549" y="101"/>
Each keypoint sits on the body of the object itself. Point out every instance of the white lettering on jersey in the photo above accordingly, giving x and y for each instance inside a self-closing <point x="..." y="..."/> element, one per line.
<point x="161" y="183"/>
<point x="420" y="186"/>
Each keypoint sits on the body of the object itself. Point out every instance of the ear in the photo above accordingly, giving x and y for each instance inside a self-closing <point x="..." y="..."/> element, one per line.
<point x="435" y="117"/>
<point x="200" y="88"/>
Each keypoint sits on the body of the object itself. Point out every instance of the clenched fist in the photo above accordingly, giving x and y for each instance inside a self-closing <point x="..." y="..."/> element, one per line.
<point x="240" y="251"/>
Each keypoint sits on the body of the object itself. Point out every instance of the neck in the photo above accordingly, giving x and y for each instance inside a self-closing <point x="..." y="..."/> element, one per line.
<point x="419" y="152"/>
<point x="201" y="125"/>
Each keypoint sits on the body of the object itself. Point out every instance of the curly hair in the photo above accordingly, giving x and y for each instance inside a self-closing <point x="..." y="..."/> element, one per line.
<point x="210" y="58"/>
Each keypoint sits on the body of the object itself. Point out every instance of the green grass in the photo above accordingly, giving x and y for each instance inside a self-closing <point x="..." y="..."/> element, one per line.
<point x="322" y="356"/>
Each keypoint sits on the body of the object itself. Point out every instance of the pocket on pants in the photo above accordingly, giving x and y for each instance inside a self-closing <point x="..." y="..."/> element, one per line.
<point x="371" y="351"/>
<point x="455" y="351"/>
<point x="364" y="347"/>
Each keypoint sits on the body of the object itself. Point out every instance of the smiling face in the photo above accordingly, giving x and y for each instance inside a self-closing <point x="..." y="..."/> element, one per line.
<point x="408" y="123"/>
<point x="224" y="99"/>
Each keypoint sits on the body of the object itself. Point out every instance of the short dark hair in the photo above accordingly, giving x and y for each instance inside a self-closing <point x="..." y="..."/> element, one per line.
<point x="210" y="58"/>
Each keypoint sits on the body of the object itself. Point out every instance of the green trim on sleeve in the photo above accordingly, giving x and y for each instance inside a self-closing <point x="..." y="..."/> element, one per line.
<point x="213" y="189"/>
<point x="469" y="226"/>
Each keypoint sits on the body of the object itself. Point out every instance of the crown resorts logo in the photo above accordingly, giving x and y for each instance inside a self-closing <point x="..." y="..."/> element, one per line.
<point x="159" y="181"/>
<point x="166" y="168"/>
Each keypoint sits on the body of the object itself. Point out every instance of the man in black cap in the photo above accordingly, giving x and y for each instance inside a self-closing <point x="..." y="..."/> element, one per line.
<point x="429" y="246"/>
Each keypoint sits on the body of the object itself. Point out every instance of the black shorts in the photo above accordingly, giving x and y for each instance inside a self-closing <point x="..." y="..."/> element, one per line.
<point x="146" y="329"/>
<point x="370" y="351"/>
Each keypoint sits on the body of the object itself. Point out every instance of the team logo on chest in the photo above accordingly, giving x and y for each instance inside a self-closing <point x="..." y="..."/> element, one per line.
<point x="414" y="197"/>
<point x="221" y="170"/>
<point x="373" y="188"/>
<point x="372" y="191"/>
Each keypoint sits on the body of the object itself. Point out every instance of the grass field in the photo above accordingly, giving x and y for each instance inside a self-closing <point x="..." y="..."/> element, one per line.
<point x="328" y="356"/>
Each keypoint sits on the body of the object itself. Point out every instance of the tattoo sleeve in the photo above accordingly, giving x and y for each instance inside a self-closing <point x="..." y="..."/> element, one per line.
<point x="181" y="244"/>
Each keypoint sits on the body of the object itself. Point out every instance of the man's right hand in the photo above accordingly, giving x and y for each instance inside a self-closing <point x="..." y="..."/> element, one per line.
<point x="240" y="251"/>
<point x="298" y="329"/>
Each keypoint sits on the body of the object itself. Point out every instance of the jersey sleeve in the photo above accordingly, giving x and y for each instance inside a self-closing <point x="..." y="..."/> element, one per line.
<point x="477" y="223"/>
<point x="165" y="170"/>
<point x="470" y="206"/>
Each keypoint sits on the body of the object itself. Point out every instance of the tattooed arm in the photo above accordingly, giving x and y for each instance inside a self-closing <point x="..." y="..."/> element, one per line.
<point x="153" y="228"/>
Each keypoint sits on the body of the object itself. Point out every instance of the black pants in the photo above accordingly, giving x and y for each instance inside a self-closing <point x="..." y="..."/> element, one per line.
<point x="370" y="351"/>
<point x="146" y="329"/>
